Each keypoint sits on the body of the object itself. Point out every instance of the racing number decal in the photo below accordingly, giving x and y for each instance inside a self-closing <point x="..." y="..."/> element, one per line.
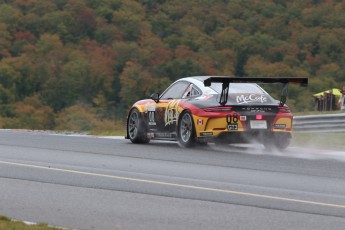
<point x="232" y="118"/>
<point x="171" y="112"/>
<point x="150" y="109"/>
<point x="152" y="118"/>
<point x="231" y="121"/>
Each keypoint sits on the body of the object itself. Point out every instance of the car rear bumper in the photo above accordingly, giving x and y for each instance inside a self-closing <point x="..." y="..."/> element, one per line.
<point x="262" y="136"/>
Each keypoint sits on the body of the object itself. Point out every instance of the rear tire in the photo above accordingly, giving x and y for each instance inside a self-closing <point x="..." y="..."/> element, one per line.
<point x="282" y="143"/>
<point x="279" y="141"/>
<point x="136" y="128"/>
<point x="186" y="130"/>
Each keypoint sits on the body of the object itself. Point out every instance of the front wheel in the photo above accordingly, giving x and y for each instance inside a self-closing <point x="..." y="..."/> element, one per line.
<point x="136" y="128"/>
<point x="186" y="130"/>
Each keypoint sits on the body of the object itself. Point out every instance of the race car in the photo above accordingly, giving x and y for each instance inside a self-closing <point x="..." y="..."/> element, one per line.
<point x="223" y="110"/>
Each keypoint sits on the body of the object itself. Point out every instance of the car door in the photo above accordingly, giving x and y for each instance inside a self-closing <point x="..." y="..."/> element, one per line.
<point x="164" y="114"/>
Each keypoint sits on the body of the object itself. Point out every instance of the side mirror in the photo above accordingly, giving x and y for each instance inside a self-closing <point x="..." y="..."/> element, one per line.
<point x="155" y="97"/>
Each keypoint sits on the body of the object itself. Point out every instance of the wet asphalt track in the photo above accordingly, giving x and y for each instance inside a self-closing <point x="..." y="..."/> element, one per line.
<point x="95" y="183"/>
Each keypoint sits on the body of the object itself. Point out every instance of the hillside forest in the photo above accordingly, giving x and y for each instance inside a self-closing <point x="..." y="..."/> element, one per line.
<point x="80" y="64"/>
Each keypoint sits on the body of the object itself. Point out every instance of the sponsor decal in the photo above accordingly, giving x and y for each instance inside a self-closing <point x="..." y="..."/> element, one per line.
<point x="164" y="135"/>
<point x="243" y="118"/>
<point x="250" y="98"/>
<point x="279" y="126"/>
<point x="206" y="134"/>
<point x="257" y="109"/>
<point x="171" y="112"/>
<point x="200" y="121"/>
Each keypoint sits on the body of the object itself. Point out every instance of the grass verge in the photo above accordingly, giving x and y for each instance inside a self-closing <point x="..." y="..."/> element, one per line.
<point x="6" y="223"/>
<point x="331" y="141"/>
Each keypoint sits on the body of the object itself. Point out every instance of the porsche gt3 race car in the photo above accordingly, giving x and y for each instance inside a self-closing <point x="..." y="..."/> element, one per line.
<point x="216" y="109"/>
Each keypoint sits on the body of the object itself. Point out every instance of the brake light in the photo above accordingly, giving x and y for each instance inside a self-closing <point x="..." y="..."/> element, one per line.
<point x="218" y="109"/>
<point x="284" y="109"/>
<point x="258" y="117"/>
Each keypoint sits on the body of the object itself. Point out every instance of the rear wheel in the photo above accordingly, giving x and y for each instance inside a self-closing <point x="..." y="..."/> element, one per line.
<point x="278" y="141"/>
<point x="282" y="141"/>
<point x="186" y="130"/>
<point x="136" y="128"/>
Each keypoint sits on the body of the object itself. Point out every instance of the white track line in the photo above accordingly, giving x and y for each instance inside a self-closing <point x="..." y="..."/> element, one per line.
<point x="175" y="185"/>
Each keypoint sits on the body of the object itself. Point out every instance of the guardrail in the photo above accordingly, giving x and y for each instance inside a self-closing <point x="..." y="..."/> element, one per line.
<point x="320" y="123"/>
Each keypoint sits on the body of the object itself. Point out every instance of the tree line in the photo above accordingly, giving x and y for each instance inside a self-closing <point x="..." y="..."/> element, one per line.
<point x="79" y="64"/>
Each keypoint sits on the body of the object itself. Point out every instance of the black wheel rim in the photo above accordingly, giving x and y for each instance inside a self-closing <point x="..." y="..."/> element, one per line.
<point x="133" y="124"/>
<point x="186" y="127"/>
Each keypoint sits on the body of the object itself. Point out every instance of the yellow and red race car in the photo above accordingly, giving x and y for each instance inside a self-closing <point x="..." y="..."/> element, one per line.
<point x="205" y="109"/>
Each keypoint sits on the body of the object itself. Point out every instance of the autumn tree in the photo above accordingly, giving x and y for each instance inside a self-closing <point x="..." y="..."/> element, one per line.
<point x="5" y="41"/>
<point x="101" y="56"/>
<point x="135" y="82"/>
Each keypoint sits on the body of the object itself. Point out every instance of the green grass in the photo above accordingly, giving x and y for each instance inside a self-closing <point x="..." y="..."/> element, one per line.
<point x="8" y="224"/>
<point x="331" y="141"/>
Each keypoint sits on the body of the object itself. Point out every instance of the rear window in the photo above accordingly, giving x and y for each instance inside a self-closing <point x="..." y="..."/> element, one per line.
<point x="239" y="88"/>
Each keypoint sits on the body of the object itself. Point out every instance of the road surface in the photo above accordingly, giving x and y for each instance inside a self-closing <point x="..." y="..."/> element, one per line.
<point x="88" y="182"/>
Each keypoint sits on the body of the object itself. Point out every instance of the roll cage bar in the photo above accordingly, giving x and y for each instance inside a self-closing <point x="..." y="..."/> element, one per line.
<point x="227" y="80"/>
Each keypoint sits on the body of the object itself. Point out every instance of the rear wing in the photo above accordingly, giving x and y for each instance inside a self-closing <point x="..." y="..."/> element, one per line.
<point x="227" y="80"/>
